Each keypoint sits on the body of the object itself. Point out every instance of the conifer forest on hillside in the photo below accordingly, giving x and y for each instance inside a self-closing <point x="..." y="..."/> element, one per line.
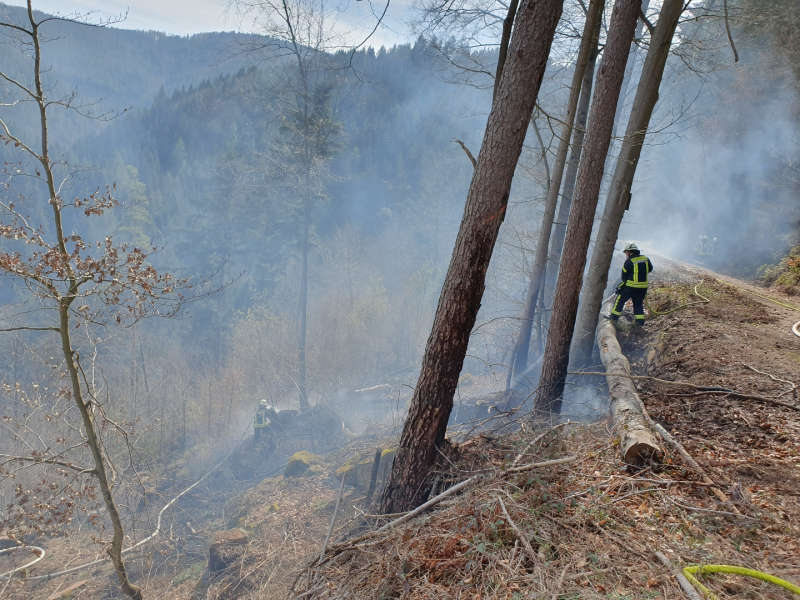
<point x="264" y="294"/>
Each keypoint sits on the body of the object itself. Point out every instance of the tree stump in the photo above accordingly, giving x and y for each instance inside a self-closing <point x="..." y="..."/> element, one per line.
<point x="226" y="547"/>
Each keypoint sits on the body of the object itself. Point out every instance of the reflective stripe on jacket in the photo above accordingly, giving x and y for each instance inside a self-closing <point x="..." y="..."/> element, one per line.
<point x="635" y="270"/>
<point x="260" y="420"/>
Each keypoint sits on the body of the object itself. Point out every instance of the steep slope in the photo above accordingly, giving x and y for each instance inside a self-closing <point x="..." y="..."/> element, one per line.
<point x="589" y="529"/>
<point x="549" y="511"/>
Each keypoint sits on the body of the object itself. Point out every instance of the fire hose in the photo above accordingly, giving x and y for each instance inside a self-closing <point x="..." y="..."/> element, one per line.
<point x="40" y="551"/>
<point x="703" y="300"/>
<point x="795" y="327"/>
<point x="34" y="549"/>
<point x="691" y="571"/>
<point x="654" y="312"/>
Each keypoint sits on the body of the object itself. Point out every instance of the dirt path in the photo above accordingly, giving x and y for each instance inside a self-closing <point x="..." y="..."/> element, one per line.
<point x="740" y="340"/>
<point x="784" y="308"/>
<point x="590" y="529"/>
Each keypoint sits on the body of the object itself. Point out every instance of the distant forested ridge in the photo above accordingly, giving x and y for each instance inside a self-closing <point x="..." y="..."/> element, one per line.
<point x="198" y="173"/>
<point x="192" y="133"/>
<point x="188" y="131"/>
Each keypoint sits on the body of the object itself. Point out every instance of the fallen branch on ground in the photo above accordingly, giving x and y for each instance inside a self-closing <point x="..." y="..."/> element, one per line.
<point x="774" y="378"/>
<point x="336" y="548"/>
<point x="526" y="544"/>
<point x="687" y="458"/>
<point x="545" y="463"/>
<point x="333" y="518"/>
<point x="537" y="439"/>
<point x="700" y="388"/>
<point x="687" y="587"/>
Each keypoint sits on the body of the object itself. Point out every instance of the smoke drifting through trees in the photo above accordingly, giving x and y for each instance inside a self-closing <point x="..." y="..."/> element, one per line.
<point x="189" y="168"/>
<point x="733" y="146"/>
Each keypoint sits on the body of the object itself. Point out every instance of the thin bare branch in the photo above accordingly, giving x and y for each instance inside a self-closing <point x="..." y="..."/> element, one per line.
<point x="48" y="461"/>
<point x="728" y="31"/>
<point x="16" y="141"/>
<point x="467" y="152"/>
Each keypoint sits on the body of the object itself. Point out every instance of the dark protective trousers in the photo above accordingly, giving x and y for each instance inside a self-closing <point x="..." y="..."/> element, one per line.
<point x="636" y="295"/>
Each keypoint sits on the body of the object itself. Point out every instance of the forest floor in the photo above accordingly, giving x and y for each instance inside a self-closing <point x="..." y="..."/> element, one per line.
<point x="586" y="527"/>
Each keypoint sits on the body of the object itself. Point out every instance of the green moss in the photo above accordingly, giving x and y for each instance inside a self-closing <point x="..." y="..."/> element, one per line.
<point x="301" y="462"/>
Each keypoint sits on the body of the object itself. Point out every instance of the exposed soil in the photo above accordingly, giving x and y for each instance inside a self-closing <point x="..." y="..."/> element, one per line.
<point x="589" y="529"/>
<point x="583" y="529"/>
<point x="740" y="341"/>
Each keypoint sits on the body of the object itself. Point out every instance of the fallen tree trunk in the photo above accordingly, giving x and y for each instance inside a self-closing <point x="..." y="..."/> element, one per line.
<point x="638" y="442"/>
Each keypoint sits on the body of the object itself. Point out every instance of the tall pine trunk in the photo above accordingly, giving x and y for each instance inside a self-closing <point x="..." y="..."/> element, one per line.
<point x="460" y="299"/>
<point x="572" y="169"/>
<point x="619" y="191"/>
<point x="581" y="218"/>
<point x="519" y="359"/>
<point x="571" y="175"/>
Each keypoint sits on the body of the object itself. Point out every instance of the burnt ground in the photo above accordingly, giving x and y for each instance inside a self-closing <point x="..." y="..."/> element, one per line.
<point x="587" y="528"/>
<point x="742" y="341"/>
<point x="590" y="528"/>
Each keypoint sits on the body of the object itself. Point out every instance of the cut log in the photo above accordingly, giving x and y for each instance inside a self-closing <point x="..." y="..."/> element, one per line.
<point x="638" y="443"/>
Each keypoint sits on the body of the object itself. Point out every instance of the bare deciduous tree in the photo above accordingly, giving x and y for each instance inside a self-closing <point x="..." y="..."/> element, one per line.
<point x="80" y="283"/>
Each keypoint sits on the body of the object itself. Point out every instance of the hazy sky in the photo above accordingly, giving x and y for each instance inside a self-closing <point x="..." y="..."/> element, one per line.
<point x="184" y="17"/>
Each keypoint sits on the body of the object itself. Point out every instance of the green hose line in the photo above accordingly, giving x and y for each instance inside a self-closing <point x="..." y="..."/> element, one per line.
<point x="778" y="302"/>
<point x="682" y="306"/>
<point x="693" y="570"/>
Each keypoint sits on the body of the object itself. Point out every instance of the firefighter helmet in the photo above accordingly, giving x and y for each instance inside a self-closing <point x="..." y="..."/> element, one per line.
<point x="631" y="247"/>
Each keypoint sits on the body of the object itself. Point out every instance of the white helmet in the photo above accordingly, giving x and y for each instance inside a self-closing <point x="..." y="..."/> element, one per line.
<point x="631" y="246"/>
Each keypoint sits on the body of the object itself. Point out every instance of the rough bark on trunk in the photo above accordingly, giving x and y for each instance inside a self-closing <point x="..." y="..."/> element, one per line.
<point x="519" y="359"/>
<point x="581" y="217"/>
<point x="572" y="168"/>
<point x="464" y="284"/>
<point x="505" y="38"/>
<point x="560" y="224"/>
<point x="619" y="191"/>
<point x="638" y="443"/>
<point x="626" y="81"/>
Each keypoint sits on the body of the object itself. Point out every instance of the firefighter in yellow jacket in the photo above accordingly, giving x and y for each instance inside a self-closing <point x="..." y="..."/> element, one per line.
<point x="633" y="285"/>
<point x="265" y="415"/>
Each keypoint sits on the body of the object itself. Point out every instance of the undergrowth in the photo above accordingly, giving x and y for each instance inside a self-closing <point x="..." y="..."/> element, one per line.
<point x="785" y="275"/>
